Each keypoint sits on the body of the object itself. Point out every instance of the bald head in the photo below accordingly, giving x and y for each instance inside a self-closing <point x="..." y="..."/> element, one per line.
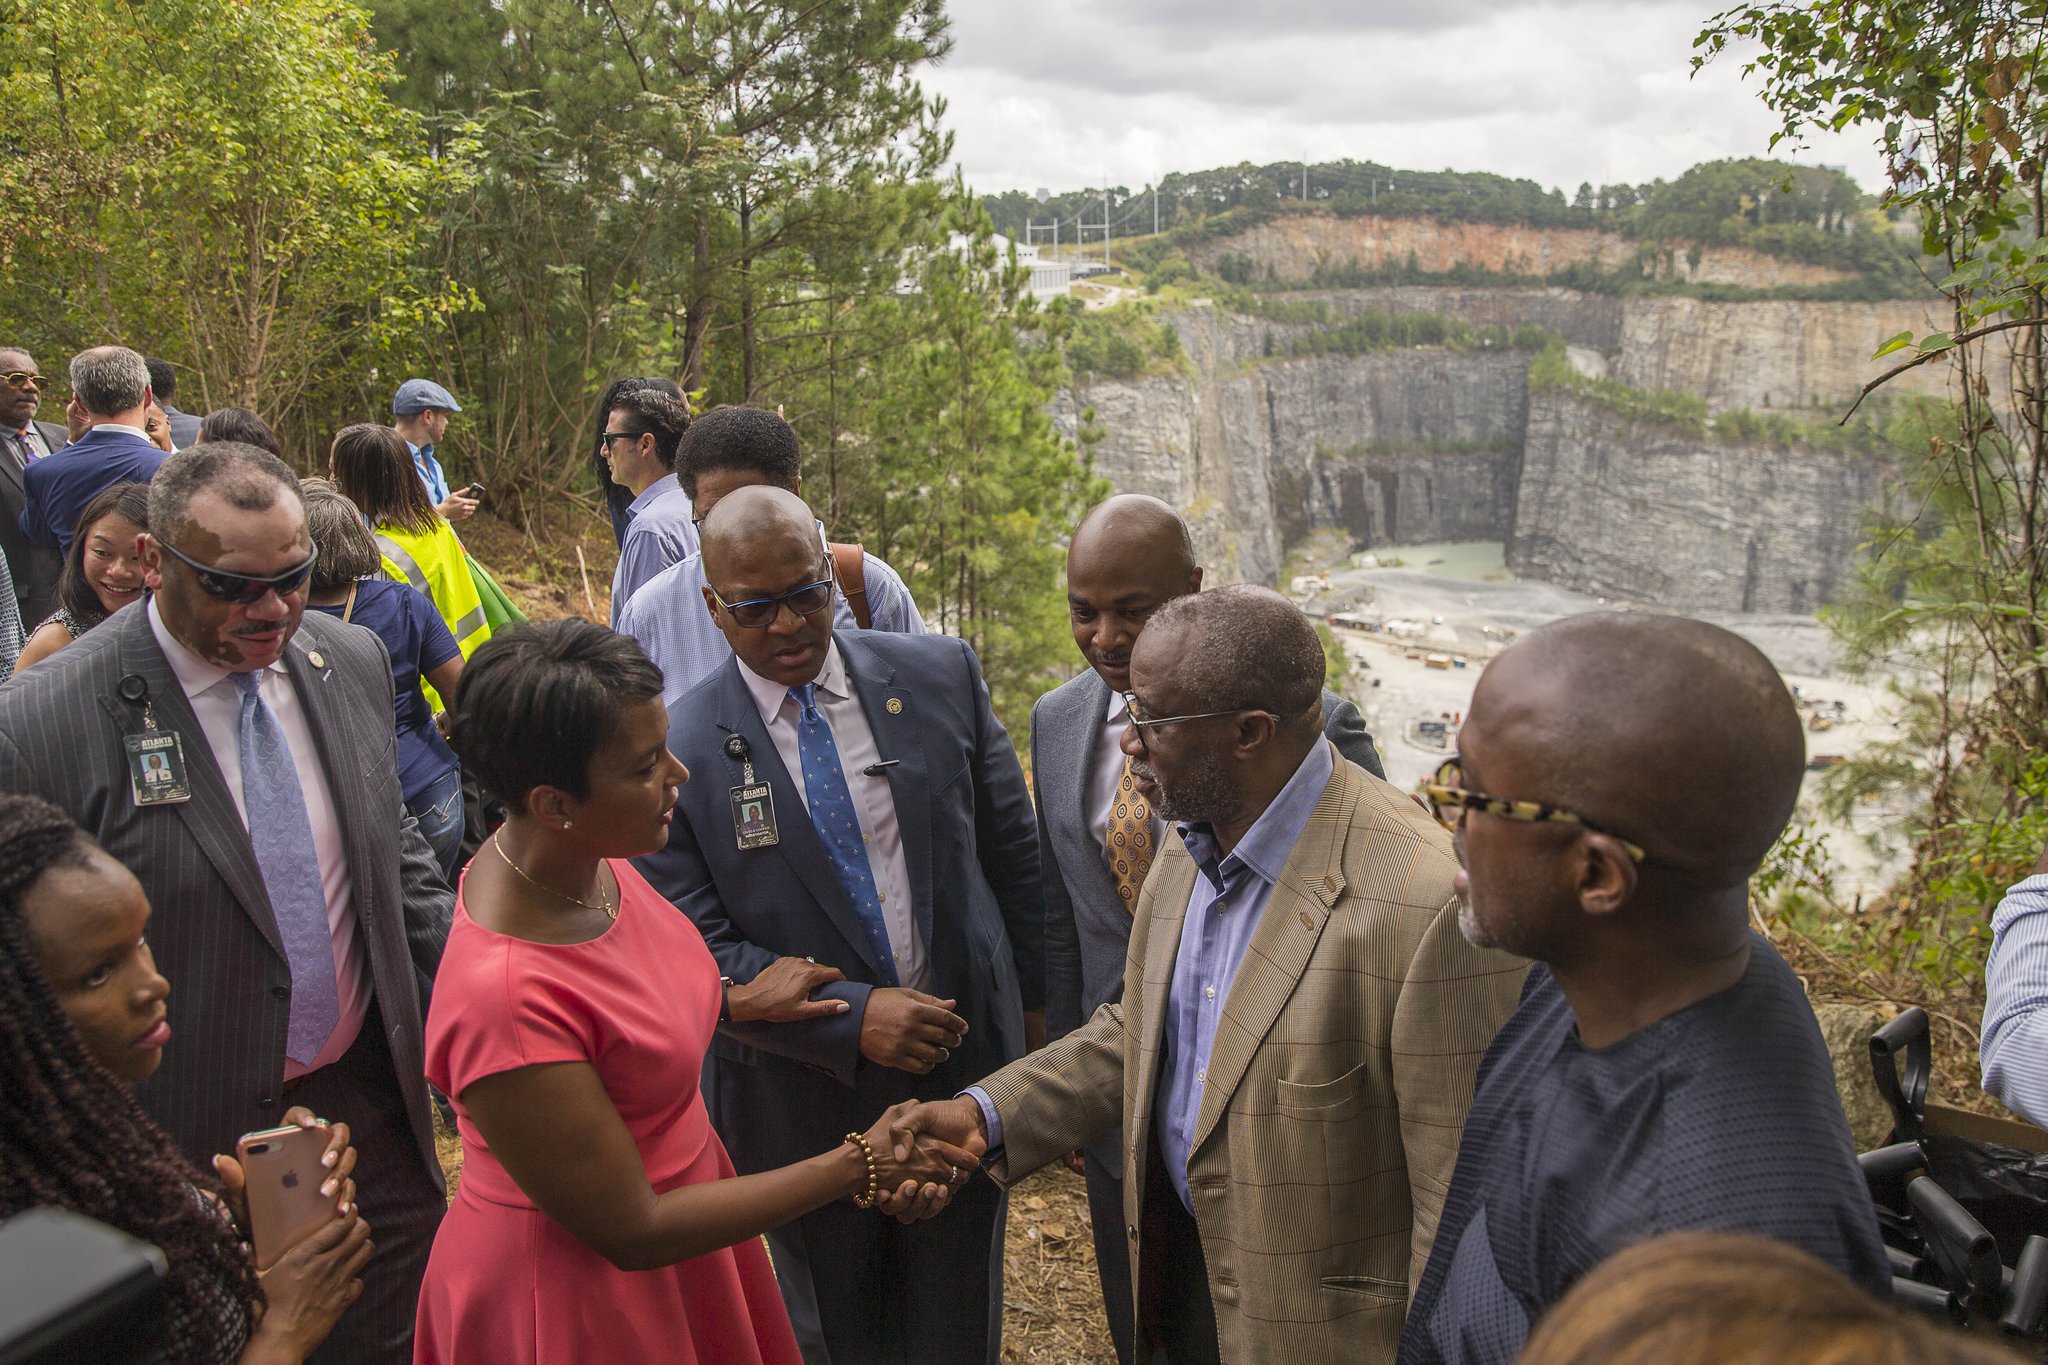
<point x="1130" y="556"/>
<point x="749" y="520"/>
<point x="1678" y="734"/>
<point x="1133" y="528"/>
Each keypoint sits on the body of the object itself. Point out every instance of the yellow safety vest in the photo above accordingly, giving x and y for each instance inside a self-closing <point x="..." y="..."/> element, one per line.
<point x="435" y="564"/>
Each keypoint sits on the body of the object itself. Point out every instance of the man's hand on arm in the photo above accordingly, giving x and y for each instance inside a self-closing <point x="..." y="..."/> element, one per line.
<point x="909" y="1030"/>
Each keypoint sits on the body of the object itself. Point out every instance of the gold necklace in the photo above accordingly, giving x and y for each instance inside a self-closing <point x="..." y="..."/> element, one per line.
<point x="611" y="911"/>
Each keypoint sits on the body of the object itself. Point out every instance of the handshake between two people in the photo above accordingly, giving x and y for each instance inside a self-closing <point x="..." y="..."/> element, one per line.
<point x="929" y="1149"/>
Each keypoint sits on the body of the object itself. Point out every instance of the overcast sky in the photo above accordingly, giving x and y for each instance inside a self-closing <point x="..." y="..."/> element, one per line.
<point x="1061" y="93"/>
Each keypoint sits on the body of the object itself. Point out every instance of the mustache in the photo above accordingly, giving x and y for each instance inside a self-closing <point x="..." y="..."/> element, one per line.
<point x="1142" y="770"/>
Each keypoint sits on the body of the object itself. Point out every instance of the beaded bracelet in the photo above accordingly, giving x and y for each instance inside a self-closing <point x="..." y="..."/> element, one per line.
<point x="867" y="1201"/>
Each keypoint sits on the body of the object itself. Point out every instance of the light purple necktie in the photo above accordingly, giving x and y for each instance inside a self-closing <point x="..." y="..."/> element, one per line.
<point x="282" y="834"/>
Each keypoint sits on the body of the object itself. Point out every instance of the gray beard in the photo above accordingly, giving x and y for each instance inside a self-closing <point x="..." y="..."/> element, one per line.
<point x="1205" y="796"/>
<point x="1475" y="932"/>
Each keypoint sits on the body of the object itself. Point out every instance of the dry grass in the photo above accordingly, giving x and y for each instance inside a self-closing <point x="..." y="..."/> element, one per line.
<point x="541" y="571"/>
<point x="1052" y="1302"/>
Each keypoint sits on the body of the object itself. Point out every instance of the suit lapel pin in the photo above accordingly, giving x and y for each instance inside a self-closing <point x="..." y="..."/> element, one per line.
<point x="313" y="658"/>
<point x="894" y="706"/>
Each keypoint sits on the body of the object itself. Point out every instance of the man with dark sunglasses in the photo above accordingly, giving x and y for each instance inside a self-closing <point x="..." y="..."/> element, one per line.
<point x="23" y="441"/>
<point x="237" y="755"/>
<point x="1620" y="777"/>
<point x="894" y="841"/>
<point x="724" y="450"/>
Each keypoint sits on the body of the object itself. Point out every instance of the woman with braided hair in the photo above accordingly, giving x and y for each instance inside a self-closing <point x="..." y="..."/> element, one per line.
<point x="82" y="1018"/>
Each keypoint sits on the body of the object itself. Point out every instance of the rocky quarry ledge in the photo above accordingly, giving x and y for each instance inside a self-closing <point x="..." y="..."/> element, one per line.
<point x="1422" y="445"/>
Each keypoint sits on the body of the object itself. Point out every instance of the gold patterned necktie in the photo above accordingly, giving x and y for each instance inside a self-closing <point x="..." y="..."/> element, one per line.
<point x="1128" y="841"/>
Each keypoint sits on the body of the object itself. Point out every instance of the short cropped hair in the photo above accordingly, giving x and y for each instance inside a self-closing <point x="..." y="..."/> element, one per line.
<point x="346" y="548"/>
<point x="537" y="701"/>
<point x="246" y="478"/>
<point x="239" y="424"/>
<point x="1246" y="647"/>
<point x="651" y="410"/>
<point x="109" y="380"/>
<point x="163" y="380"/>
<point x="754" y="440"/>
<point x="374" y="470"/>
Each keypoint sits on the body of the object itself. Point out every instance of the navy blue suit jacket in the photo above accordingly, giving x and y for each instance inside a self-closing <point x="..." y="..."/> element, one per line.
<point x="56" y="488"/>
<point x="970" y="847"/>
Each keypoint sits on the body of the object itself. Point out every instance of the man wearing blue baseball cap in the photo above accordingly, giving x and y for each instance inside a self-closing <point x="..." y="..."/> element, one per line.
<point x="421" y="410"/>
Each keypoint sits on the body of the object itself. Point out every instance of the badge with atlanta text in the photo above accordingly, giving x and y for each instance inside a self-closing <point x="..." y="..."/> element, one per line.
<point x="753" y="816"/>
<point x="156" y="768"/>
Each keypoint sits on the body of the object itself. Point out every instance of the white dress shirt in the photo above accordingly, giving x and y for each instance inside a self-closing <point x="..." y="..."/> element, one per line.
<point x="1105" y="771"/>
<point x="218" y="705"/>
<point x="874" y="803"/>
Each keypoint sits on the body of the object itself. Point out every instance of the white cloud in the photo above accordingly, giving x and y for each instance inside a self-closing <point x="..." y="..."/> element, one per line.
<point x="1065" y="93"/>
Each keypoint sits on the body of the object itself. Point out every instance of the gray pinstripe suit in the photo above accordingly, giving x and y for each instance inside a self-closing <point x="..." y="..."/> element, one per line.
<point x="1337" y="1088"/>
<point x="61" y="728"/>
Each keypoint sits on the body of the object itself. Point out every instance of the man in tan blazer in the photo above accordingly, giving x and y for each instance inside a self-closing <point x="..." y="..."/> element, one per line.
<point x="1294" y="1052"/>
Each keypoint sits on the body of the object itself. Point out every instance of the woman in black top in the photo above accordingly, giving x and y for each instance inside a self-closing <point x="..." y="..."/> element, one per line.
<point x="82" y="1018"/>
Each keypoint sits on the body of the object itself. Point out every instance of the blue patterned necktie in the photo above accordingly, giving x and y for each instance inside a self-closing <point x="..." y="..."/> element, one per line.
<point x="282" y="834"/>
<point x="833" y="814"/>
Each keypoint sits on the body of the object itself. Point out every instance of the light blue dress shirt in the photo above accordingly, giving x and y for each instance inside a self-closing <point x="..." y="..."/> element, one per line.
<point x="659" y="532"/>
<point x="668" y="617"/>
<point x="1224" y="909"/>
<point x="430" y="472"/>
<point x="2014" y="1051"/>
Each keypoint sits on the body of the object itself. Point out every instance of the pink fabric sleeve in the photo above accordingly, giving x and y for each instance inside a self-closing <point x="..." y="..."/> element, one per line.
<point x="502" y="1009"/>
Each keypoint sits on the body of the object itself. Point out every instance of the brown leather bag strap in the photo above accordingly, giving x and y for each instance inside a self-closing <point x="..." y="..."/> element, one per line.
<point x="850" y="566"/>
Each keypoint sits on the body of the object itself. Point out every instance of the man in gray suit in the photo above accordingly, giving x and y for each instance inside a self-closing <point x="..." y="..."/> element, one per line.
<point x="294" y="897"/>
<point x="1130" y="556"/>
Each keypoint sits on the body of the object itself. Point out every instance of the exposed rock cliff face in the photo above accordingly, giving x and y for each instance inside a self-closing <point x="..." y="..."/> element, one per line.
<point x="1413" y="446"/>
<point x="1771" y="354"/>
<point x="1296" y="246"/>
<point x="1630" y="509"/>
<point x="1397" y="447"/>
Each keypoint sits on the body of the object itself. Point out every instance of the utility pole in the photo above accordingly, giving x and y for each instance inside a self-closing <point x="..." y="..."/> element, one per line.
<point x="1304" y="182"/>
<point x="1155" y="210"/>
<point x="1105" y="220"/>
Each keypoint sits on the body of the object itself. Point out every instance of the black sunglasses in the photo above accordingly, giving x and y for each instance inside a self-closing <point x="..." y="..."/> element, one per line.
<point x="244" y="588"/>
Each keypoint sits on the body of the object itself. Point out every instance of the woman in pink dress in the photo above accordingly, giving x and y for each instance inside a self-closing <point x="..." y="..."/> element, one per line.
<point x="598" y="1217"/>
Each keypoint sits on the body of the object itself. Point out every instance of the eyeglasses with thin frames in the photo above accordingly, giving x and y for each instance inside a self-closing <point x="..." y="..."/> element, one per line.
<point x="1142" y="723"/>
<point x="758" y="613"/>
<point x="241" y="588"/>
<point x="1449" y="802"/>
<point x="26" y="379"/>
